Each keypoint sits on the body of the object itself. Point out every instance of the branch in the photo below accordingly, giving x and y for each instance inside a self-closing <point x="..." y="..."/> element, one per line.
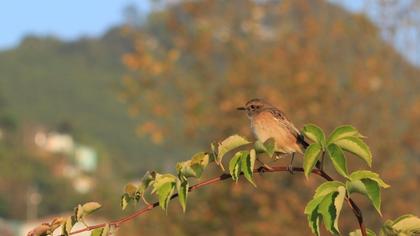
<point x="117" y="223"/>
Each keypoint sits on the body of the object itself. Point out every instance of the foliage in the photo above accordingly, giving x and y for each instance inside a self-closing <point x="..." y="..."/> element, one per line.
<point x="326" y="204"/>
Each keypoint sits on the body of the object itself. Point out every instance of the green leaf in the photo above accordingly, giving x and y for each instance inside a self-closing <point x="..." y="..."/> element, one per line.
<point x="268" y="147"/>
<point x="311" y="210"/>
<point x="161" y="180"/>
<point x="182" y="188"/>
<point x="357" y="147"/>
<point x="199" y="162"/>
<point x="359" y="233"/>
<point x="185" y="170"/>
<point x="235" y="165"/>
<point x="125" y="199"/>
<point x="314" y="133"/>
<point x="356" y="186"/>
<point x="344" y="132"/>
<point x="328" y="212"/>
<point x="90" y="207"/>
<point x="310" y="158"/>
<point x="337" y="157"/>
<point x="374" y="193"/>
<point x="327" y="188"/>
<point x="365" y="174"/>
<point x="313" y="220"/>
<point x="228" y="145"/>
<point x="164" y="193"/>
<point x="247" y="165"/>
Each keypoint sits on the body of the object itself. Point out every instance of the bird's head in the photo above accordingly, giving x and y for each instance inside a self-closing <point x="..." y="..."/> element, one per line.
<point x="254" y="106"/>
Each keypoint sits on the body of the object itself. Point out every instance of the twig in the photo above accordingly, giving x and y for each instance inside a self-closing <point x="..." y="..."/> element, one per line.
<point x="262" y="169"/>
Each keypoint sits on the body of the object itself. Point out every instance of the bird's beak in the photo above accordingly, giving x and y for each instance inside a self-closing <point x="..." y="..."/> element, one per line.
<point x="241" y="108"/>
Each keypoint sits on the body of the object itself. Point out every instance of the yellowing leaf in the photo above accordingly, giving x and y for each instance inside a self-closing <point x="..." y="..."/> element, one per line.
<point x="314" y="133"/>
<point x="357" y="147"/>
<point x="327" y="188"/>
<point x="91" y="207"/>
<point x="228" y="145"/>
<point x="235" y="165"/>
<point x="182" y="189"/>
<point x="311" y="157"/>
<point x="247" y="165"/>
<point x="344" y="132"/>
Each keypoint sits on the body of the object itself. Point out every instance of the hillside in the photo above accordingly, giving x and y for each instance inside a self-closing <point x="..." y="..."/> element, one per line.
<point x="48" y="82"/>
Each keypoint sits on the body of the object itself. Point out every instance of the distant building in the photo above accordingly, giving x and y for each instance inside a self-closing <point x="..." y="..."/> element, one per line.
<point x="55" y="142"/>
<point x="81" y="159"/>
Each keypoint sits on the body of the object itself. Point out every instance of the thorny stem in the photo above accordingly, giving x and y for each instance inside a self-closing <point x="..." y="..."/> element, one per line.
<point x="116" y="223"/>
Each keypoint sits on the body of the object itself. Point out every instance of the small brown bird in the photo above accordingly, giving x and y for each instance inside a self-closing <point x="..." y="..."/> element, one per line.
<point x="267" y="121"/>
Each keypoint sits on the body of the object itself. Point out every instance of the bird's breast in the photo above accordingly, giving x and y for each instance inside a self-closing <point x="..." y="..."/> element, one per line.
<point x="265" y="126"/>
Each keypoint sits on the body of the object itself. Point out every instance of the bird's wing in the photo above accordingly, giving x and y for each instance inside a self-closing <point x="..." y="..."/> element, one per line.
<point x="279" y="115"/>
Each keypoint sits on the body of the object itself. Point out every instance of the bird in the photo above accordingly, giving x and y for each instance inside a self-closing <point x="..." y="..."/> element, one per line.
<point x="267" y="121"/>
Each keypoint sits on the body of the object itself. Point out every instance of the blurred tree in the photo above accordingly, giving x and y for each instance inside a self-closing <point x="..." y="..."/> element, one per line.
<point x="195" y="61"/>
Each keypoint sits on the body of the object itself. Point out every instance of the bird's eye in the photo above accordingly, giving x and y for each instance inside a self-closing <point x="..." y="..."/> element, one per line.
<point x="253" y="107"/>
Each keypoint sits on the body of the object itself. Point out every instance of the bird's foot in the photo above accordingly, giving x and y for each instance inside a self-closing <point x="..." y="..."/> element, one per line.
<point x="290" y="169"/>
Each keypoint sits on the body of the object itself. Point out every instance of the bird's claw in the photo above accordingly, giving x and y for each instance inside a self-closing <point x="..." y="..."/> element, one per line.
<point x="290" y="169"/>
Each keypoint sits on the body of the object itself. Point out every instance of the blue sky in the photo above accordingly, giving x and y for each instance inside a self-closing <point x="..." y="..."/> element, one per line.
<point x="63" y="18"/>
<point x="70" y="20"/>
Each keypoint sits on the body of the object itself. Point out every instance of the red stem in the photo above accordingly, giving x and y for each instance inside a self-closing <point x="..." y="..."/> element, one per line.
<point x="117" y="223"/>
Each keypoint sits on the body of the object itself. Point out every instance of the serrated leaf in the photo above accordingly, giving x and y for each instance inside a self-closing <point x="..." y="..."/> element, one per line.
<point x="185" y="170"/>
<point x="366" y="174"/>
<point x="235" y="165"/>
<point x="56" y="222"/>
<point x="97" y="232"/>
<point x="41" y="230"/>
<point x="130" y="189"/>
<point x="356" y="186"/>
<point x="90" y="207"/>
<point x="161" y="180"/>
<point x="357" y="147"/>
<point x="338" y="203"/>
<point x="125" y="199"/>
<point x="164" y="193"/>
<point x="145" y="182"/>
<point x="182" y="189"/>
<point x="268" y="147"/>
<point x="68" y="225"/>
<point x="310" y="158"/>
<point x="344" y="132"/>
<point x="312" y="204"/>
<point x="247" y="165"/>
<point x="327" y="210"/>
<point x="327" y="188"/>
<point x="359" y="233"/>
<point x="228" y="145"/>
<point x="78" y="212"/>
<point x="313" y="220"/>
<point x="314" y="133"/>
<point x="407" y="223"/>
<point x="311" y="210"/>
<point x="106" y="230"/>
<point x="374" y="193"/>
<point x="337" y="157"/>
<point x="199" y="162"/>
